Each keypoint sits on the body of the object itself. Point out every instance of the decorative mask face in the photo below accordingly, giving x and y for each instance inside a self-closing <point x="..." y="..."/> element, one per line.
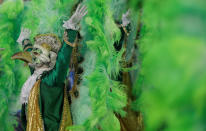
<point x="43" y="54"/>
<point x="40" y="56"/>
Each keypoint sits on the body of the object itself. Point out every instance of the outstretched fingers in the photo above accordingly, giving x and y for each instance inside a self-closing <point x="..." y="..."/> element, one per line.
<point x="82" y="10"/>
<point x="22" y="29"/>
<point x="85" y="12"/>
<point x="29" y="31"/>
<point x="25" y="30"/>
<point x="78" y="8"/>
<point x="127" y="14"/>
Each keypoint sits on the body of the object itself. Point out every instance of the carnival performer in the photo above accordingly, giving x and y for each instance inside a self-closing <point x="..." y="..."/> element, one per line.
<point x="43" y="96"/>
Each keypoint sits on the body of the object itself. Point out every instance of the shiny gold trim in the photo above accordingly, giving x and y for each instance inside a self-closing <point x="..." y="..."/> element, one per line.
<point x="66" y="115"/>
<point x="49" y="34"/>
<point x="46" y="46"/>
<point x="69" y="43"/>
<point x="34" y="121"/>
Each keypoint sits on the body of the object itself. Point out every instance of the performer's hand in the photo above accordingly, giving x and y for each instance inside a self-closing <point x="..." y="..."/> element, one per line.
<point x="73" y="22"/>
<point x="25" y="34"/>
<point x="125" y="18"/>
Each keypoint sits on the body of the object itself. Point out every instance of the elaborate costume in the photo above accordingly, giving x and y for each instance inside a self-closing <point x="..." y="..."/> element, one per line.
<point x="44" y="96"/>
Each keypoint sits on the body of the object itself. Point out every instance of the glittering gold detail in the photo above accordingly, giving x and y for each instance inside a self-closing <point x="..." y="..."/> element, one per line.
<point x="46" y="46"/>
<point x="69" y="43"/>
<point x="66" y="115"/>
<point x="51" y="39"/>
<point x="49" y="34"/>
<point x="34" y="119"/>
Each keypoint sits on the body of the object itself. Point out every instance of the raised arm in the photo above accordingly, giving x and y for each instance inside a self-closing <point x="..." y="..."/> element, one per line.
<point x="58" y="74"/>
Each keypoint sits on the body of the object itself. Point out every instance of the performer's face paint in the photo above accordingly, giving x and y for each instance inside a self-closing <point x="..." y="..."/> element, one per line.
<point x="40" y="56"/>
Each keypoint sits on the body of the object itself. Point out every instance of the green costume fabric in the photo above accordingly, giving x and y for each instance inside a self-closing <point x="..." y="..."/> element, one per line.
<point x="52" y="88"/>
